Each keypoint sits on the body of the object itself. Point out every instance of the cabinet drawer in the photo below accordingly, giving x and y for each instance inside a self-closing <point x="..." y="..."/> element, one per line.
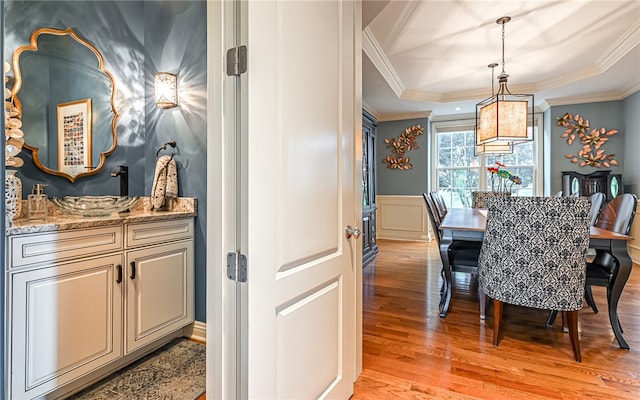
<point x="53" y="247"/>
<point x="158" y="232"/>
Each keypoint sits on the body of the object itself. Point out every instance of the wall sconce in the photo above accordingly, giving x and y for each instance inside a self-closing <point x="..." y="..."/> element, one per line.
<point x="166" y="89"/>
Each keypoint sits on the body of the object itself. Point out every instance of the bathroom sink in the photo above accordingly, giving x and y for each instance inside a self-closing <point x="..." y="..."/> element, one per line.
<point x="94" y="206"/>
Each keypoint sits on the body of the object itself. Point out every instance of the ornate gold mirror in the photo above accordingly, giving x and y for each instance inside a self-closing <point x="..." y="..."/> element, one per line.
<point x="66" y="101"/>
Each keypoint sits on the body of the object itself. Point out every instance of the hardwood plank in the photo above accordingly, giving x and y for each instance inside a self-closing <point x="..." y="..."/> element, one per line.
<point x="409" y="352"/>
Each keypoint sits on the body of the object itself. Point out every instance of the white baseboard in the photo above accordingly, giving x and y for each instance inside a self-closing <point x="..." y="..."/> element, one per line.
<point x="196" y="331"/>
<point x="402" y="218"/>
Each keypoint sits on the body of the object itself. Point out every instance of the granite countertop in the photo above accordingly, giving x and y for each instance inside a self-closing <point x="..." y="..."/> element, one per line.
<point x="140" y="212"/>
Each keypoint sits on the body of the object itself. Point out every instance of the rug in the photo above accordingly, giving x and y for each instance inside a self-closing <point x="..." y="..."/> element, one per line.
<point x="175" y="371"/>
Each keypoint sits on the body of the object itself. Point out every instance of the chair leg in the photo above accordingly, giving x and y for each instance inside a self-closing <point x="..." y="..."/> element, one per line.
<point x="552" y="317"/>
<point x="482" y="299"/>
<point x="497" y="318"/>
<point x="572" y="321"/>
<point x="588" y="295"/>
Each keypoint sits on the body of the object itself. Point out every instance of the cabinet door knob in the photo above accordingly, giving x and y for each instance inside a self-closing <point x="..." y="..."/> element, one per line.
<point x="119" y="272"/>
<point x="133" y="270"/>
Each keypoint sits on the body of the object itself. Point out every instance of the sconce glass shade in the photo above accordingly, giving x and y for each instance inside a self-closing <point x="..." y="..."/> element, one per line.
<point x="166" y="86"/>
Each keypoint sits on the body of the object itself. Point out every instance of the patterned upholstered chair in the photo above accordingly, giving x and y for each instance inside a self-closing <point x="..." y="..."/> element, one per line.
<point x="479" y="199"/>
<point x="533" y="256"/>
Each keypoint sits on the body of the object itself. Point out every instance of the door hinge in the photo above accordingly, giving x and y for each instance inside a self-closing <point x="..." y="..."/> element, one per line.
<point x="237" y="267"/>
<point x="237" y="60"/>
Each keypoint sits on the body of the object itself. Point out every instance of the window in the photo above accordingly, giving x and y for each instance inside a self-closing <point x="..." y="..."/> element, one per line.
<point x="458" y="171"/>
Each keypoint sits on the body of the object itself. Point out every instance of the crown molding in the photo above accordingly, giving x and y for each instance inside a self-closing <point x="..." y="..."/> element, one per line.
<point x="402" y="116"/>
<point x="592" y="98"/>
<point x="370" y="110"/>
<point x="620" y="48"/>
<point x="631" y="89"/>
<point x="374" y="51"/>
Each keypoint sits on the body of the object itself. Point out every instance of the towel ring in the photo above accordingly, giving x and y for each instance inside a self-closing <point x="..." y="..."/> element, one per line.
<point x="164" y="147"/>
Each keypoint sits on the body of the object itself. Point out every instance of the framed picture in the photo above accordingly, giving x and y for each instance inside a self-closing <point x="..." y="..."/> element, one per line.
<point x="74" y="136"/>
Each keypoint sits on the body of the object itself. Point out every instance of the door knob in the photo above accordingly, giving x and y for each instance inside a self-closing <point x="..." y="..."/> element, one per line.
<point x="352" y="231"/>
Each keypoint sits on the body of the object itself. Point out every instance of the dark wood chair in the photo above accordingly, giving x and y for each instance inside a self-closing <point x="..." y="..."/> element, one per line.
<point x="463" y="255"/>
<point x="533" y="256"/>
<point x="616" y="216"/>
<point x="439" y="203"/>
<point x="596" y="204"/>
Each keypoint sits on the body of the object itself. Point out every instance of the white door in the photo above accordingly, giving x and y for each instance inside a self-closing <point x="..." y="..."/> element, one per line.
<point x="302" y="112"/>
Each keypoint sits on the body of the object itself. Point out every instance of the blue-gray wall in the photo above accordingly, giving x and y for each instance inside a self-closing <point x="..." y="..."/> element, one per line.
<point x="137" y="39"/>
<point x="402" y="182"/>
<point x="609" y="114"/>
<point x="623" y="115"/>
<point x="631" y="107"/>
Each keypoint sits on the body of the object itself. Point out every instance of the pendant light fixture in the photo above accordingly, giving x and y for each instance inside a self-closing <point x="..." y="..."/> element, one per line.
<point x="497" y="146"/>
<point x="504" y="116"/>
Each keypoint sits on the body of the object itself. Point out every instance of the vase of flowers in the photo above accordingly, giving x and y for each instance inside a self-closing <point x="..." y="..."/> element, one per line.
<point x="502" y="182"/>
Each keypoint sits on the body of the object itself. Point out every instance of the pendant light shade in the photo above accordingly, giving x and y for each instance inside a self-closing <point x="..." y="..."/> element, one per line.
<point x="504" y="116"/>
<point x="496" y="147"/>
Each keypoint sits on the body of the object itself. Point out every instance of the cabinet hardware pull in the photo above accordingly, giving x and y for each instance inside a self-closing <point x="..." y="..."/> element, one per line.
<point x="119" y="270"/>
<point x="133" y="270"/>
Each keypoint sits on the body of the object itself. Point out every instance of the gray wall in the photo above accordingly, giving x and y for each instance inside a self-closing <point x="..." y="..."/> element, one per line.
<point x="631" y="178"/>
<point x="607" y="114"/>
<point x="402" y="182"/>
<point x="136" y="39"/>
<point x="623" y="115"/>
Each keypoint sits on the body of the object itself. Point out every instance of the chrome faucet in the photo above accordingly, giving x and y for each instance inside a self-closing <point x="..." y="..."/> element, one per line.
<point x="123" y="173"/>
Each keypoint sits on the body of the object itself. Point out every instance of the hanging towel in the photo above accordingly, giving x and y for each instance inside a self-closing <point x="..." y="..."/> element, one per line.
<point x="165" y="181"/>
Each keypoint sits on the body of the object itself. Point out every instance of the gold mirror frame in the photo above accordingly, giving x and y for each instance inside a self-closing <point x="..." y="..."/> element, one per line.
<point x="33" y="46"/>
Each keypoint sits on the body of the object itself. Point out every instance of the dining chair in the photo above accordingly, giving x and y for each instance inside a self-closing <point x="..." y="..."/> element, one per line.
<point x="532" y="255"/>
<point x="596" y="204"/>
<point x="439" y="203"/>
<point x="616" y="216"/>
<point x="463" y="255"/>
<point x="558" y="194"/>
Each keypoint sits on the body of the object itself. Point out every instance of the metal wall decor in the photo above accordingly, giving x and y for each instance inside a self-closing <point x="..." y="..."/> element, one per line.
<point x="591" y="153"/>
<point x="400" y="145"/>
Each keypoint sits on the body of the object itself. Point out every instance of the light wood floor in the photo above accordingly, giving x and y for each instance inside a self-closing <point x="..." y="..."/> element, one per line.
<point x="409" y="352"/>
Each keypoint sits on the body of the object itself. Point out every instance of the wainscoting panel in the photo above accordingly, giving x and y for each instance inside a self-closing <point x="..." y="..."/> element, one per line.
<point x="633" y="246"/>
<point x="402" y="218"/>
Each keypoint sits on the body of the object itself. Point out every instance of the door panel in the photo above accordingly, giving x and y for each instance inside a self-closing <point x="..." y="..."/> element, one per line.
<point x="301" y="125"/>
<point x="309" y="344"/>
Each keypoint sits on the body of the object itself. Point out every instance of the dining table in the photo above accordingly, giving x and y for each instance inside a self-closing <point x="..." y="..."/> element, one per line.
<point x="469" y="224"/>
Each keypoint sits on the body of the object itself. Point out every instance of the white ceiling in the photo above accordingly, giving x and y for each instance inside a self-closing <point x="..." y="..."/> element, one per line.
<point x="430" y="57"/>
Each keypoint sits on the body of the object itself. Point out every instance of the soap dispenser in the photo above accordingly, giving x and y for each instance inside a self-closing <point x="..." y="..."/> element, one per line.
<point x="38" y="203"/>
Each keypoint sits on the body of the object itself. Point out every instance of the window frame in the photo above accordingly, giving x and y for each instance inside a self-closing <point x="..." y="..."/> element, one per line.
<point x="467" y="124"/>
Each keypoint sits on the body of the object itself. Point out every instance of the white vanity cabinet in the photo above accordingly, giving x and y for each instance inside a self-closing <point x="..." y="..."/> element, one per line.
<point x="83" y="302"/>
<point x="159" y="280"/>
